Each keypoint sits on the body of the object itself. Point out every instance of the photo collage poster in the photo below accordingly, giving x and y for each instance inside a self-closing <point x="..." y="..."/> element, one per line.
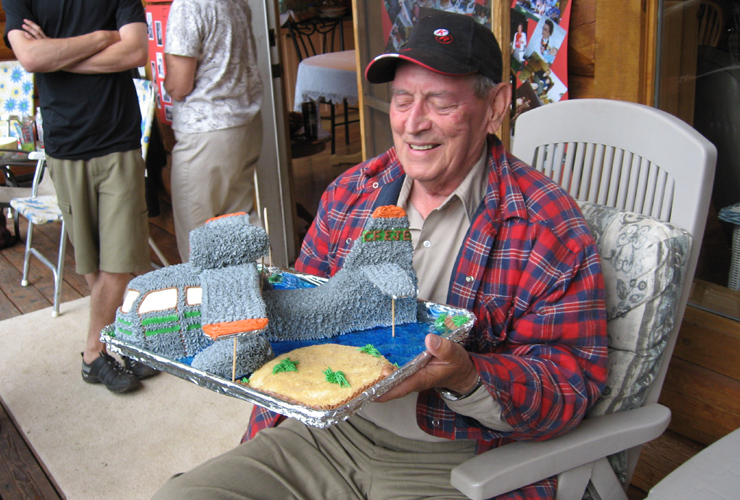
<point x="400" y="15"/>
<point x="539" y="52"/>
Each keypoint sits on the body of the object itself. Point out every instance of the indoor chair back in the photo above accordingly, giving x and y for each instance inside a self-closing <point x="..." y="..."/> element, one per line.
<point x="320" y="35"/>
<point x="316" y="35"/>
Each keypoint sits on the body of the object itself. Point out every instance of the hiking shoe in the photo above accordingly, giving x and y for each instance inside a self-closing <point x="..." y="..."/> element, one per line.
<point x="108" y="371"/>
<point x="141" y="370"/>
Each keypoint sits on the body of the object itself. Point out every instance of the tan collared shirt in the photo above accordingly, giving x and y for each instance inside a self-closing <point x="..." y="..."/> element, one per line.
<point x="437" y="241"/>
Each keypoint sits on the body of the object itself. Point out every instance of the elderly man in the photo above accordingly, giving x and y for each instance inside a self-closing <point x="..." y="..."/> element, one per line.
<point x="491" y="235"/>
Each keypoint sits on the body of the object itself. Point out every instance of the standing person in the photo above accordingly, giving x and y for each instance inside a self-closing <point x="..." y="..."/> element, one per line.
<point x="212" y="75"/>
<point x="81" y="52"/>
<point x="491" y="235"/>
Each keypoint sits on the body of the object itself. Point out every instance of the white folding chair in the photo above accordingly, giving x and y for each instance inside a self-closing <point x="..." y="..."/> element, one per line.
<point x="41" y="208"/>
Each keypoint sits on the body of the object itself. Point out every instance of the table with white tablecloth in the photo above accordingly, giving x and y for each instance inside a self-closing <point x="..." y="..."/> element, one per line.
<point x="330" y="78"/>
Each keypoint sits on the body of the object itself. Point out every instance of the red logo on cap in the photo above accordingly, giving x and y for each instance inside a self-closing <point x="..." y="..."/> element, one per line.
<point x="443" y="36"/>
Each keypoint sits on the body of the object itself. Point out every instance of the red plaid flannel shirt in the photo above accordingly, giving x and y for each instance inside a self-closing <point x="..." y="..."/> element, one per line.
<point x="530" y="272"/>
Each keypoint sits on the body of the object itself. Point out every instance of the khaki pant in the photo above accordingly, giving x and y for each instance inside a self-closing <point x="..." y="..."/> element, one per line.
<point x="351" y="460"/>
<point x="103" y="203"/>
<point x="212" y="174"/>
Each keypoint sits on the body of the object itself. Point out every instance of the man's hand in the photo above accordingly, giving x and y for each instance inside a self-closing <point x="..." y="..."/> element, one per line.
<point x="450" y="367"/>
<point x="33" y="30"/>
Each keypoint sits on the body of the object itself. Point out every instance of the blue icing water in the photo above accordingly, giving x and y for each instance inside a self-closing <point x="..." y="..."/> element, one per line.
<point x="289" y="281"/>
<point x="405" y="346"/>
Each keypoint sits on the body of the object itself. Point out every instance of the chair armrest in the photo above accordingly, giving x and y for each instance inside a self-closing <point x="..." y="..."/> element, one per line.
<point x="522" y="463"/>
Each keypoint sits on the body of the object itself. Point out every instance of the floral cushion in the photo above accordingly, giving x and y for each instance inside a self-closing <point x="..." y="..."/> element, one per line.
<point x="39" y="210"/>
<point x="644" y="262"/>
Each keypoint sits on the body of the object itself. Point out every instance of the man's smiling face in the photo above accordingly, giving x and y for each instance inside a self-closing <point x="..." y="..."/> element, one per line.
<point x="439" y="126"/>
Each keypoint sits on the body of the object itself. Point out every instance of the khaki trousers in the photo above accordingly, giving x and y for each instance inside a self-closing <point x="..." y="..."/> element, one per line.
<point x="212" y="174"/>
<point x="351" y="460"/>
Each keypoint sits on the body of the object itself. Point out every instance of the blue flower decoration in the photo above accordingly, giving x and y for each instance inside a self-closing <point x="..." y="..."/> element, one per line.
<point x="9" y="105"/>
<point x="24" y="107"/>
<point x="27" y="87"/>
<point x="17" y="75"/>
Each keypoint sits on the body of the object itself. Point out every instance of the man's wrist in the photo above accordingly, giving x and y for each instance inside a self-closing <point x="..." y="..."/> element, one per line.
<point x="451" y="395"/>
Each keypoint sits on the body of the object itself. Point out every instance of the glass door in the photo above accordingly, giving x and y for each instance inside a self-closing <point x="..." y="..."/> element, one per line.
<point x="273" y="183"/>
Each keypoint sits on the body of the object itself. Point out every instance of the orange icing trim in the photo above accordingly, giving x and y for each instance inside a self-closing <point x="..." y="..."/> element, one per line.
<point x="217" y="330"/>
<point x="389" y="212"/>
<point x="225" y="215"/>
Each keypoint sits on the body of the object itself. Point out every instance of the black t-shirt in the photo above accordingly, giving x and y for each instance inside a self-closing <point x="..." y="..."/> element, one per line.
<point x="85" y="116"/>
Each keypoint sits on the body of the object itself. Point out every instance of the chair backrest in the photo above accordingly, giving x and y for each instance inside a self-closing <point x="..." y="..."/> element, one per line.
<point x="317" y="35"/>
<point x="711" y="23"/>
<point x="629" y="156"/>
<point x="146" y="91"/>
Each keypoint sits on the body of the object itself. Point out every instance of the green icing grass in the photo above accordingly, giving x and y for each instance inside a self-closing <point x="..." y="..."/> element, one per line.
<point x="286" y="365"/>
<point x="336" y="377"/>
<point x="369" y="349"/>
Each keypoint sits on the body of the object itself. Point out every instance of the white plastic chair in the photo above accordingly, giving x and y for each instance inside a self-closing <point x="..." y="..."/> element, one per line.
<point x="713" y="473"/>
<point x="642" y="161"/>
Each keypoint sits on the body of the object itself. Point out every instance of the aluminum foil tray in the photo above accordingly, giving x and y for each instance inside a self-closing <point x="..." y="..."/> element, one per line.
<point x="406" y="349"/>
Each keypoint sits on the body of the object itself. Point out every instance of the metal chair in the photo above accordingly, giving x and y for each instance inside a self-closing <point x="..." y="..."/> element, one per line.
<point x="319" y="35"/>
<point x="40" y="209"/>
<point x="16" y="185"/>
<point x="624" y="161"/>
<point x="711" y="23"/>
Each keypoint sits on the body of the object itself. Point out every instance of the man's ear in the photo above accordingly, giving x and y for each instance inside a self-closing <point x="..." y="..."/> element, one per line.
<point x="499" y="101"/>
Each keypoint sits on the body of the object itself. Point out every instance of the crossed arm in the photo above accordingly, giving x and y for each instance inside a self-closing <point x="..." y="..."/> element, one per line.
<point x="102" y="51"/>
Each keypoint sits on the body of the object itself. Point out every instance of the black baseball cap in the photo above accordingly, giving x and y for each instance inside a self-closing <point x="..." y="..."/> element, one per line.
<point x="446" y="43"/>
